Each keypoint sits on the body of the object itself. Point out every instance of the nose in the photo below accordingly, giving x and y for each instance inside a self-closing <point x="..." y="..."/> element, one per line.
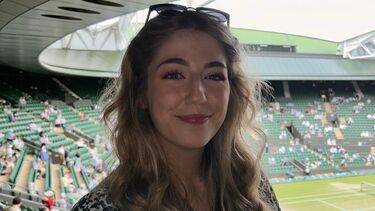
<point x="197" y="91"/>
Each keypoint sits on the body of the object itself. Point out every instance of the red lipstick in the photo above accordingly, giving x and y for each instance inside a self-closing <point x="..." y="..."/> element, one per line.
<point x="196" y="119"/>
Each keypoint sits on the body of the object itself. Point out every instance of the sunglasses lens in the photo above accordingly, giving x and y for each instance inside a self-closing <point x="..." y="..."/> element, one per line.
<point x="174" y="10"/>
<point x="169" y="12"/>
<point x="170" y="9"/>
<point x="219" y="17"/>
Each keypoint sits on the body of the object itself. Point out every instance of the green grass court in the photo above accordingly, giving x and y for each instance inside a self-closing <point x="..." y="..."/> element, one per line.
<point x="330" y="194"/>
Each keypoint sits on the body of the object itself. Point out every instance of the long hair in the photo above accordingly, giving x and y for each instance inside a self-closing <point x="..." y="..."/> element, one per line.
<point x="142" y="179"/>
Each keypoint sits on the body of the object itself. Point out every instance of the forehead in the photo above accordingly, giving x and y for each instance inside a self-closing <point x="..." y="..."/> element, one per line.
<point x="190" y="44"/>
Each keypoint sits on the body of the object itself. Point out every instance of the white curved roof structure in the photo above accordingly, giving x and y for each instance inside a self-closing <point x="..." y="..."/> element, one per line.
<point x="28" y="27"/>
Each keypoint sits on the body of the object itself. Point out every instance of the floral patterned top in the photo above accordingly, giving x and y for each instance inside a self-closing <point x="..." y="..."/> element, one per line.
<point x="99" y="199"/>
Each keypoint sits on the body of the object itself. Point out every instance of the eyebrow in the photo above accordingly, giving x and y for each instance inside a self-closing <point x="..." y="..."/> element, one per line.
<point x="185" y="63"/>
<point x="215" y="64"/>
<point x="174" y="61"/>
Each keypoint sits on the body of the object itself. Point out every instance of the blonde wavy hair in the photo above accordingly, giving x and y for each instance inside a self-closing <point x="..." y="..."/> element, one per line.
<point x="142" y="180"/>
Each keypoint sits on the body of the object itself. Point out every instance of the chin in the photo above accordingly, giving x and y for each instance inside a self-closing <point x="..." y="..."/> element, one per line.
<point x="189" y="144"/>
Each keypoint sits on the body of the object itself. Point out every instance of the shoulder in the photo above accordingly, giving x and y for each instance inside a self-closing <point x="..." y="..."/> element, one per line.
<point x="267" y="193"/>
<point x="97" y="199"/>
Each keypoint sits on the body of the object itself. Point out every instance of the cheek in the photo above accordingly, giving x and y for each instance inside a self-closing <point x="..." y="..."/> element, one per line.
<point x="220" y="99"/>
<point x="162" y="99"/>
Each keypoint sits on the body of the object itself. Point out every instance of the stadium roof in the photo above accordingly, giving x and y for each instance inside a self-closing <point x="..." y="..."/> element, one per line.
<point x="287" y="66"/>
<point x="334" y="20"/>
<point x="29" y="27"/>
<point x="303" y="44"/>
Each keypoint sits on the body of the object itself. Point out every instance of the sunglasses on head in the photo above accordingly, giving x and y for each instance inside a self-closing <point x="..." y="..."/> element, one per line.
<point x="176" y="9"/>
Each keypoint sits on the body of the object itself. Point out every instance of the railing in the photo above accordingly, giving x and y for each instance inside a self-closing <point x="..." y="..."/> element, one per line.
<point x="8" y="189"/>
<point x="30" y="198"/>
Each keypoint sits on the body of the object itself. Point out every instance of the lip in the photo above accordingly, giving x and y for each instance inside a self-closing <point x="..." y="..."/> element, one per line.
<point x="195" y="119"/>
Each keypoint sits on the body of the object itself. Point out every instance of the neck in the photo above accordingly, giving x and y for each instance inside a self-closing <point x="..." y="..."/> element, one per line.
<point x="187" y="175"/>
<point x="185" y="164"/>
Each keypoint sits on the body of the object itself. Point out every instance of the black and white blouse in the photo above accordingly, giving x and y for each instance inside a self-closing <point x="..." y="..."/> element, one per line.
<point x="99" y="199"/>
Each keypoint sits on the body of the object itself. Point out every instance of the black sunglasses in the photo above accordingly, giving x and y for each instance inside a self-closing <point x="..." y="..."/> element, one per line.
<point x="176" y="9"/>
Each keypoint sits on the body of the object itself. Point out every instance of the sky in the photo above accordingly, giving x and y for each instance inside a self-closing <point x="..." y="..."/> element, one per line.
<point x="334" y="20"/>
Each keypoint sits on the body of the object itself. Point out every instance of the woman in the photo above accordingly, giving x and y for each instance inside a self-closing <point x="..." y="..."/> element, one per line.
<point x="176" y="115"/>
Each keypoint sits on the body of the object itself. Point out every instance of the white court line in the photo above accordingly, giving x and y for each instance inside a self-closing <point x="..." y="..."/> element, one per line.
<point x="316" y="199"/>
<point x="366" y="209"/>
<point x="314" y="195"/>
<point x="332" y="205"/>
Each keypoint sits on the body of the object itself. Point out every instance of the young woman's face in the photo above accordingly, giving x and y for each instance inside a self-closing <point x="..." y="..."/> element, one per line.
<point x="188" y="89"/>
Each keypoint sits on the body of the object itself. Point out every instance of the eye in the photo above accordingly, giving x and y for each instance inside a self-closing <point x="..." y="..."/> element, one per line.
<point x="216" y="77"/>
<point x="174" y="75"/>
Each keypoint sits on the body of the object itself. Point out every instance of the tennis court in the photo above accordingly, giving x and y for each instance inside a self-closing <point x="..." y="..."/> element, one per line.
<point x="330" y="194"/>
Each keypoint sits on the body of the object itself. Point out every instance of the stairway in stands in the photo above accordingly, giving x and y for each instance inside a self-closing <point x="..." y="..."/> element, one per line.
<point x="21" y="182"/>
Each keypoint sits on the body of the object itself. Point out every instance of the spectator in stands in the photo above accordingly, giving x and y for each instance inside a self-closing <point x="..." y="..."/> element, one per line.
<point x="284" y="161"/>
<point x="95" y="161"/>
<point x="58" y="122"/>
<point x="77" y="162"/>
<point x="96" y="141"/>
<point x="306" y="161"/>
<point x="44" y="115"/>
<point x="18" y="143"/>
<point x="1" y="138"/>
<point x="67" y="180"/>
<point x="81" y="116"/>
<point x="16" y="205"/>
<point x="66" y="155"/>
<point x="22" y="102"/>
<point x="176" y="115"/>
<point x="271" y="161"/>
<point x="35" y="166"/>
<point x="283" y="135"/>
<point x="62" y="202"/>
<point x="43" y="139"/>
<point x="93" y="182"/>
<point x="14" y="115"/>
<point x="10" y="136"/>
<point x="47" y="199"/>
<point x="35" y="127"/>
<point x="81" y="143"/>
<point x="319" y="134"/>
<point x="61" y="151"/>
<point x="9" y="113"/>
<point x="42" y="169"/>
<point x="307" y="171"/>
<point x="309" y="109"/>
<point x="9" y="163"/>
<point x="282" y="149"/>
<point x="3" y="102"/>
<point x="10" y="152"/>
<point x="2" y="165"/>
<point x="343" y="163"/>
<point x="349" y="120"/>
<point x="52" y="110"/>
<point x="43" y="152"/>
<point x="32" y="126"/>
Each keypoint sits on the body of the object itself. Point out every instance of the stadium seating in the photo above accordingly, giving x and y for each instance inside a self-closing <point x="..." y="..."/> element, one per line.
<point x="289" y="150"/>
